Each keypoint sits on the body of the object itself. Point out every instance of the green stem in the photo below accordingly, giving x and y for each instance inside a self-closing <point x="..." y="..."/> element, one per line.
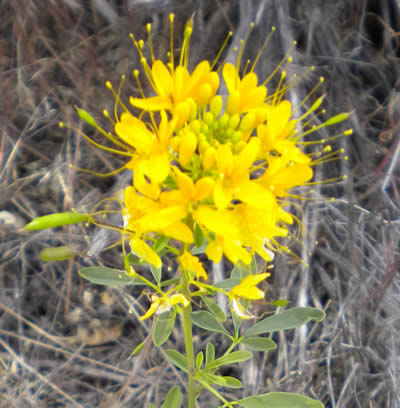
<point x="187" y="332"/>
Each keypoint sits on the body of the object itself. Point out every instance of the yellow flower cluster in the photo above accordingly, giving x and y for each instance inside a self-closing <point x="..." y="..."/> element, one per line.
<point x="208" y="166"/>
<point x="220" y="166"/>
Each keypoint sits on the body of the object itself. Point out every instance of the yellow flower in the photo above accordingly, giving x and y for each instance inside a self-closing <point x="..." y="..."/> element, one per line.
<point x="225" y="164"/>
<point x="145" y="252"/>
<point x="163" y="304"/>
<point x="175" y="86"/>
<point x="192" y="263"/>
<point x="248" y="290"/>
<point x="151" y="157"/>
<point x="244" y="94"/>
<point x="144" y="215"/>
<point x="283" y="174"/>
<point x="234" y="178"/>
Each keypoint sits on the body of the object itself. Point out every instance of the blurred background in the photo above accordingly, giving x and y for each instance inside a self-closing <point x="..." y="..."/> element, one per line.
<point x="65" y="342"/>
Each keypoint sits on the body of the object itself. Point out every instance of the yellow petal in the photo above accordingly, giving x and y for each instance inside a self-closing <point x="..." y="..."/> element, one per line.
<point x="158" y="166"/>
<point x="162" y="79"/>
<point x="149" y="189"/>
<point x="134" y="132"/>
<point x="203" y="188"/>
<point x="153" y="307"/>
<point x="223" y="223"/>
<point x="231" y="77"/>
<point x="144" y="251"/>
<point x="214" y="250"/>
<point x="224" y="159"/>
<point x="187" y="147"/>
<point x="192" y="263"/>
<point x="178" y="298"/>
<point x="255" y="195"/>
<point x="247" y="288"/>
<point x="185" y="184"/>
<point x="222" y="196"/>
<point x="179" y="231"/>
<point x="235" y="252"/>
<point x="161" y="219"/>
<point x="151" y="104"/>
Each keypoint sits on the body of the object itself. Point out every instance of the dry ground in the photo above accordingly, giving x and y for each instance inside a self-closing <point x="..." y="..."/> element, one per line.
<point x="65" y="342"/>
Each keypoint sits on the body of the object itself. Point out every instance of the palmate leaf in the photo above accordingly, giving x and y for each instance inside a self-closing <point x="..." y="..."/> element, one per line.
<point x="102" y="275"/>
<point x="279" y="400"/>
<point x="289" y="319"/>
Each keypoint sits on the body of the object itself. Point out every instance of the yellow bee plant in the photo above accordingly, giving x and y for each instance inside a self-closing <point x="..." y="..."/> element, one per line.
<point x="212" y="174"/>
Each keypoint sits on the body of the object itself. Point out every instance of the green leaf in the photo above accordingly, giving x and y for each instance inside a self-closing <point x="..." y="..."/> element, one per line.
<point x="134" y="259"/>
<point x="223" y="381"/>
<point x="227" y="284"/>
<point x="259" y="343"/>
<point x="160" y="244"/>
<point x="152" y="406"/>
<point x="173" y="399"/>
<point x="87" y="117"/>
<point x="177" y="358"/>
<point x="163" y="327"/>
<point x="199" y="359"/>
<point x="280" y="303"/>
<point x="214" y="309"/>
<point x="336" y="119"/>
<point x="156" y="272"/>
<point x="56" y="220"/>
<point x="102" y="275"/>
<point x="61" y="253"/>
<point x="210" y="353"/>
<point x="198" y="251"/>
<point x="198" y="236"/>
<point x="279" y="400"/>
<point x="207" y="321"/>
<point x="237" y="322"/>
<point x="137" y="349"/>
<point x="231" y="358"/>
<point x="289" y="319"/>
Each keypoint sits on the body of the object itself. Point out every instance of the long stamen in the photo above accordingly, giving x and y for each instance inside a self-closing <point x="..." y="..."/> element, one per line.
<point x="148" y="28"/>
<point x="95" y="173"/>
<point x="171" y="41"/>
<point x="107" y="149"/>
<point x="280" y="64"/>
<point x="221" y="49"/>
<point x="242" y="45"/>
<point x="117" y="97"/>
<point x="321" y="81"/>
<point x="262" y="48"/>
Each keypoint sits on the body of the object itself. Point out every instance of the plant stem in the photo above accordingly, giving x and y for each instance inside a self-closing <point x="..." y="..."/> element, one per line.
<point x="187" y="332"/>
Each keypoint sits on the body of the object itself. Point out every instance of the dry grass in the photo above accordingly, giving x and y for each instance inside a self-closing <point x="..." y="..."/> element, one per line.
<point x="65" y="342"/>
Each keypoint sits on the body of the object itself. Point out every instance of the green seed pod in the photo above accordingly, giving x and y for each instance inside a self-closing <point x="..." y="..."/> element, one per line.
<point x="56" y="220"/>
<point x="62" y="253"/>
